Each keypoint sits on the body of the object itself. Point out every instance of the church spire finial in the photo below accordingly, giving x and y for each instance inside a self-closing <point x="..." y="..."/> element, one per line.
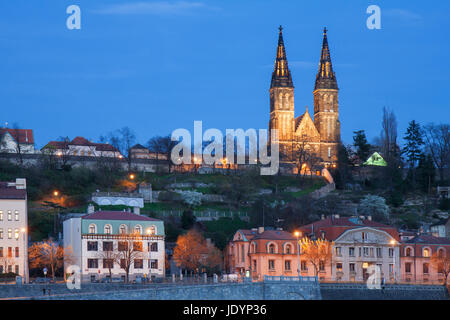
<point x="325" y="79"/>
<point x="281" y="76"/>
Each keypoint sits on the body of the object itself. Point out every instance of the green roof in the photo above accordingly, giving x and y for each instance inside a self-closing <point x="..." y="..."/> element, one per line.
<point x="375" y="160"/>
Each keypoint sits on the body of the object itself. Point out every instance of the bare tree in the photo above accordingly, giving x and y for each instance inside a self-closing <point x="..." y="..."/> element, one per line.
<point x="123" y="139"/>
<point x="49" y="254"/>
<point x="109" y="256"/>
<point x="441" y="261"/>
<point x="388" y="135"/>
<point x="437" y="143"/>
<point x="130" y="250"/>
<point x="162" y="146"/>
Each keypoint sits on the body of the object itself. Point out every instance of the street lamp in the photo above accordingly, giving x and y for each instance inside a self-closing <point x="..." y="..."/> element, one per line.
<point x="25" y="256"/>
<point x="297" y="235"/>
<point x="56" y="193"/>
<point x="393" y="242"/>
<point x="131" y="176"/>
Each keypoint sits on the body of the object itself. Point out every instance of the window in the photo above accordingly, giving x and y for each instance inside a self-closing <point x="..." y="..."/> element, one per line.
<point x="1" y="215"/>
<point x="391" y="252"/>
<point x="16" y="269"/>
<point x="123" y="263"/>
<point x="441" y="253"/>
<point x="303" y="265"/>
<point x="329" y="149"/>
<point x="152" y="230"/>
<point x="271" y="248"/>
<point x="426" y="268"/>
<point x="288" y="249"/>
<point x="379" y="253"/>
<point x="242" y="253"/>
<point x="391" y="268"/>
<point x="359" y="250"/>
<point x="92" y="246"/>
<point x="339" y="267"/>
<point x="254" y="265"/>
<point x="123" y="246"/>
<point x="123" y="229"/>
<point x="92" y="229"/>
<point x="154" y="247"/>
<point x="1" y="269"/>
<point x="1" y="233"/>
<point x="137" y="246"/>
<point x="108" y="263"/>
<point x="9" y="252"/>
<point x="1" y="252"/>
<point x="408" y="252"/>
<point x="338" y="251"/>
<point x="364" y="236"/>
<point x="16" y="233"/>
<point x="16" y="215"/>
<point x="154" y="264"/>
<point x="92" y="263"/>
<point x="9" y="233"/>
<point x="366" y="251"/>
<point x="10" y="268"/>
<point x="9" y="215"/>
<point x="321" y="266"/>
<point x="426" y="252"/>
<point x="408" y="267"/>
<point x="108" y="246"/>
<point x="371" y="252"/>
<point x="138" y="263"/>
<point x="138" y="229"/>
<point x="287" y="265"/>
<point x="322" y="234"/>
<point x="108" y="229"/>
<point x="17" y="252"/>
<point x="351" y="267"/>
<point x="271" y="264"/>
<point x="440" y="267"/>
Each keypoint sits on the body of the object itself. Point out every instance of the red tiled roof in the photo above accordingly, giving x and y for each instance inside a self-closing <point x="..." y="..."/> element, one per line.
<point x="11" y="192"/>
<point x="335" y="227"/>
<point x="267" y="234"/>
<point x="80" y="141"/>
<point x="24" y="136"/>
<point x="117" y="215"/>
<point x="426" y="239"/>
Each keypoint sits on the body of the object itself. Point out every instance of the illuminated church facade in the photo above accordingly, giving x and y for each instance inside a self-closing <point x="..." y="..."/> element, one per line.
<point x="319" y="135"/>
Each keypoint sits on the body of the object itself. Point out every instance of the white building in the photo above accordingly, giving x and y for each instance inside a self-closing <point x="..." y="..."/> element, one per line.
<point x="16" y="140"/>
<point x="13" y="228"/>
<point x="82" y="147"/>
<point x="100" y="239"/>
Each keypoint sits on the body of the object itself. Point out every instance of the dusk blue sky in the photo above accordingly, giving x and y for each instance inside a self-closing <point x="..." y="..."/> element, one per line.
<point x="159" y="65"/>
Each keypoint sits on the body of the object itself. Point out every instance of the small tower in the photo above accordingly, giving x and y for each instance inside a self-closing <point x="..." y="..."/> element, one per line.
<point x="282" y="98"/>
<point x="326" y="106"/>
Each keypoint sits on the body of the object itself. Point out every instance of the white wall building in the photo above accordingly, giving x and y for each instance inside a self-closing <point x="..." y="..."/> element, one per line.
<point x="98" y="238"/>
<point x="82" y="147"/>
<point x="13" y="228"/>
<point x="16" y="140"/>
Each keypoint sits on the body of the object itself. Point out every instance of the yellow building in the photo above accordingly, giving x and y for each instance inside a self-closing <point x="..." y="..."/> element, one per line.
<point x="297" y="136"/>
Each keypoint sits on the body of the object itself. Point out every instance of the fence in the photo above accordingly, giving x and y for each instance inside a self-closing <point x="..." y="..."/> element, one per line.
<point x="287" y="278"/>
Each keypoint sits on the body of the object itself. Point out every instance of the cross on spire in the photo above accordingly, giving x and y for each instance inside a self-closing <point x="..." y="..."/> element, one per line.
<point x="281" y="76"/>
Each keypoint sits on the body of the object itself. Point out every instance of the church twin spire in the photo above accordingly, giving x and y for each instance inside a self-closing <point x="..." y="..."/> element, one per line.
<point x="325" y="79"/>
<point x="281" y="76"/>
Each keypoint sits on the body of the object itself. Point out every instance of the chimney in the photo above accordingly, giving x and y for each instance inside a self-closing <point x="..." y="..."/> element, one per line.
<point x="136" y="210"/>
<point x="336" y="216"/>
<point x="260" y="229"/>
<point x="90" y="208"/>
<point x="21" y="183"/>
<point x="369" y="218"/>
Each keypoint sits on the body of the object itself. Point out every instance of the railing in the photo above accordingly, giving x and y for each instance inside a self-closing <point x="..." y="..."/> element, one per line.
<point x="294" y="278"/>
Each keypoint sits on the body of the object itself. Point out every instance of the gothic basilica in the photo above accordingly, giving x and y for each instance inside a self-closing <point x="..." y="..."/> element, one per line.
<point x="319" y="135"/>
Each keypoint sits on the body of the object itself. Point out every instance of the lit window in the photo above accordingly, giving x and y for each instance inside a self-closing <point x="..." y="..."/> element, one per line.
<point x="426" y="252"/>
<point x="338" y="251"/>
<point x="16" y="215"/>
<point x="408" y="252"/>
<point x="107" y="229"/>
<point x="16" y="233"/>
<point x="1" y="215"/>
<point x="339" y="267"/>
<point x="9" y="216"/>
<point x="9" y="233"/>
<point x="123" y="229"/>
<point x="138" y="229"/>
<point x="92" y="229"/>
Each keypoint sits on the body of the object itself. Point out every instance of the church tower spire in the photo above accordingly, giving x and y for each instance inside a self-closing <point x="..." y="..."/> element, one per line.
<point x="325" y="79"/>
<point x="281" y="76"/>
<point x="282" y="99"/>
<point x="326" y="106"/>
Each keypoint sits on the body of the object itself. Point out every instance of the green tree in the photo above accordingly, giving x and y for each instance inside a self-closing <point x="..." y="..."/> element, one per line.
<point x="361" y="145"/>
<point x="374" y="206"/>
<point x="426" y="172"/>
<point x="413" y="147"/>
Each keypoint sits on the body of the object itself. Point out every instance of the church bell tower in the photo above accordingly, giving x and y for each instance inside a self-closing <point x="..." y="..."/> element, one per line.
<point x="326" y="106"/>
<point x="282" y="99"/>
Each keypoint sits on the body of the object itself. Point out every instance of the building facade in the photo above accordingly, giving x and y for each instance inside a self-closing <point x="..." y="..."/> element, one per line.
<point x="416" y="256"/>
<point x="16" y="140"/>
<point x="82" y="147"/>
<point x="320" y="136"/>
<point x="13" y="228"/>
<point x="105" y="240"/>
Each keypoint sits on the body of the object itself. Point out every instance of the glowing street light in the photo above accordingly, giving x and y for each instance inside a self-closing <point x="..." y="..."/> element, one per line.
<point x="56" y="193"/>
<point x="393" y="243"/>
<point x="297" y="235"/>
<point x="131" y="176"/>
